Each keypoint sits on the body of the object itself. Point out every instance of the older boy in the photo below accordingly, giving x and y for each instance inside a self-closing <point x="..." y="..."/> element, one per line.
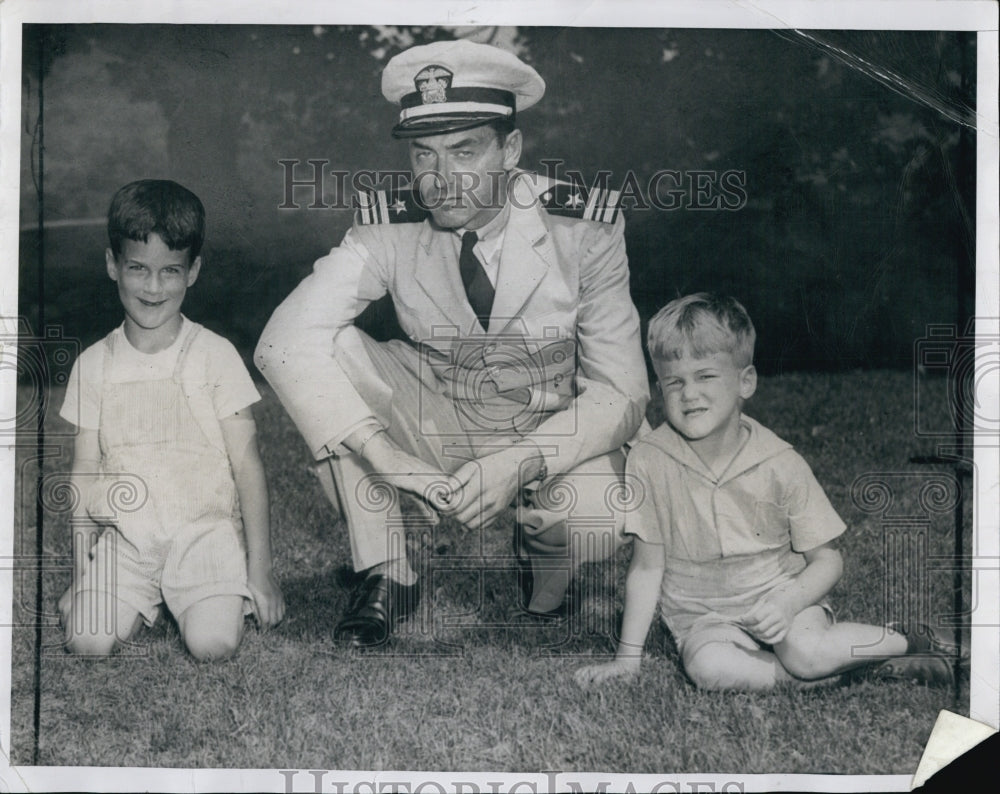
<point x="165" y="405"/>
<point x="734" y="536"/>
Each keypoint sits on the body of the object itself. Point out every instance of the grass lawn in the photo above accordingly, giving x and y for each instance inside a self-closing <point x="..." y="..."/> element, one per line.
<point x="471" y="685"/>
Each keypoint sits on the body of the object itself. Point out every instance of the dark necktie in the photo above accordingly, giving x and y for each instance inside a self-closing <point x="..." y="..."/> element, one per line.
<point x="477" y="284"/>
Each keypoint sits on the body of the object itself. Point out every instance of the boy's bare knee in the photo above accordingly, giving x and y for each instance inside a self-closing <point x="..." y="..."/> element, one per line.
<point x="804" y="652"/>
<point x="212" y="645"/>
<point x="708" y="670"/>
<point x="211" y="649"/>
<point x="802" y="659"/>
<point x="709" y="680"/>
<point x="212" y="628"/>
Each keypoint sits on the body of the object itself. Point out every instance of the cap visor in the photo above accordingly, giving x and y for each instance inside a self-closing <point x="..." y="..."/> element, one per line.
<point x="443" y="124"/>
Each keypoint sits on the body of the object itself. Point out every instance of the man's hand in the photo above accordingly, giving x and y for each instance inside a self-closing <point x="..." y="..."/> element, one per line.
<point x="484" y="487"/>
<point x="406" y="471"/>
<point x="601" y="673"/>
<point x="268" y="601"/>
<point x="769" y="619"/>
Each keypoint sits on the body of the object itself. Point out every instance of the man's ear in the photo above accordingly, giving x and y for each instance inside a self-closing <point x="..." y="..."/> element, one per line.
<point x="748" y="382"/>
<point x="111" y="264"/>
<point x="512" y="150"/>
<point x="193" y="271"/>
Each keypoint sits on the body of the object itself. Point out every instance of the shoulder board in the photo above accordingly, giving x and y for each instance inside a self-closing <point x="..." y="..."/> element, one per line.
<point x="576" y="200"/>
<point x="389" y="206"/>
<point x="564" y="199"/>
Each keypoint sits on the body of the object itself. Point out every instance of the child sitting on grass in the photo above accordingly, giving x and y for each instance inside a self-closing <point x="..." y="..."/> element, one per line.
<point x="734" y="536"/>
<point x="163" y="404"/>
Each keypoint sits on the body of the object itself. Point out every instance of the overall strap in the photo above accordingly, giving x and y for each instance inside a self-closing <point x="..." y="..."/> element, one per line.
<point x="195" y="395"/>
<point x="109" y="349"/>
<point x="107" y="353"/>
<point x="186" y="346"/>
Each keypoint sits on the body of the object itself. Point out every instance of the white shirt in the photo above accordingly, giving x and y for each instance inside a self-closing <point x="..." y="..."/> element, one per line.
<point x="490" y="243"/>
<point x="213" y="364"/>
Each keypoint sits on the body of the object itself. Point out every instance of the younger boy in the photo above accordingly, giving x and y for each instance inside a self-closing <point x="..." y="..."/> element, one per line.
<point x="734" y="536"/>
<point x="166" y="458"/>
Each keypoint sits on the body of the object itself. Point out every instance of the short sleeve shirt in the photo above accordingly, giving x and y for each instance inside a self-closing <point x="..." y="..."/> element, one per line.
<point x="767" y="499"/>
<point x="214" y="376"/>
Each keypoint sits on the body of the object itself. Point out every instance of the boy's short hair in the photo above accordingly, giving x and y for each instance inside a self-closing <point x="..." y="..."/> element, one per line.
<point x="701" y="325"/>
<point x="161" y="206"/>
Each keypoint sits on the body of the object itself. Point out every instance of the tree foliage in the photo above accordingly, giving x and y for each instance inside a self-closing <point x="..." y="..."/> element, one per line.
<point x="855" y="147"/>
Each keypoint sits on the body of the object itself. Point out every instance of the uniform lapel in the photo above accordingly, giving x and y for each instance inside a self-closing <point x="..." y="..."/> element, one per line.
<point x="435" y="269"/>
<point x="524" y="259"/>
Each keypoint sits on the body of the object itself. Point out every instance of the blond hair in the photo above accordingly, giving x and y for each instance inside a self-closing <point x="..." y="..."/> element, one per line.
<point x="701" y="325"/>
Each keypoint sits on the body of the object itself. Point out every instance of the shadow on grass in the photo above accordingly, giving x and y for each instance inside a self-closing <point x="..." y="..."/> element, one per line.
<point x="315" y="604"/>
<point x="462" y="611"/>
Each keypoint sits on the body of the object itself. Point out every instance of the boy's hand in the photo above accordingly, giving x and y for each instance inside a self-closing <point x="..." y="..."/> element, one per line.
<point x="268" y="602"/>
<point x="600" y="673"/>
<point x="769" y="620"/>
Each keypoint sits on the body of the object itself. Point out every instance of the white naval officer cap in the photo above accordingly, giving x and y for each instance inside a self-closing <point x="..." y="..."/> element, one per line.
<point x="450" y="86"/>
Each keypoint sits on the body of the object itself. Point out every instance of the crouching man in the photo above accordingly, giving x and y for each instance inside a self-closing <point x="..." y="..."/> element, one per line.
<point x="523" y="374"/>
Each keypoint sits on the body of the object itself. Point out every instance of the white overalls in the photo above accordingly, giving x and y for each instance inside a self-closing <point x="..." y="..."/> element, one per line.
<point x="181" y="540"/>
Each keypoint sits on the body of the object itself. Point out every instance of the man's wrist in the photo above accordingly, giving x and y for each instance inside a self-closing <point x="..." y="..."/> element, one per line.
<point x="531" y="465"/>
<point x="380" y="451"/>
<point x="355" y="437"/>
<point x="360" y="451"/>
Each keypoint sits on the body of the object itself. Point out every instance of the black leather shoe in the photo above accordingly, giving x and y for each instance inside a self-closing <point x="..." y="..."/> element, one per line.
<point x="376" y="607"/>
<point x="526" y="584"/>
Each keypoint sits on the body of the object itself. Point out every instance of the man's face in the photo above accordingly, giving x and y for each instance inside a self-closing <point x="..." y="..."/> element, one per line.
<point x="462" y="176"/>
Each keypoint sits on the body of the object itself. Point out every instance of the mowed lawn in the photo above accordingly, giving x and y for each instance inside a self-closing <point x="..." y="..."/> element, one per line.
<point x="470" y="684"/>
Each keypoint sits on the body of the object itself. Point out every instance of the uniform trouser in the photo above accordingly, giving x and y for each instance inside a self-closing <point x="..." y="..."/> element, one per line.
<point x="570" y="519"/>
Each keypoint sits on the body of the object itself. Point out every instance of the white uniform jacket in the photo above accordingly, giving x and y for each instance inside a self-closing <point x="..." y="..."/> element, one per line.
<point x="559" y="279"/>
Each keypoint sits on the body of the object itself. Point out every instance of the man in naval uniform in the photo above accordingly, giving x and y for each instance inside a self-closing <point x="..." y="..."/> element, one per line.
<point x="523" y="375"/>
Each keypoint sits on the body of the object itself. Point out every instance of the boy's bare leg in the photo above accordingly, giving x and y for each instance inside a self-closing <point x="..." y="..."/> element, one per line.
<point x="815" y="647"/>
<point x="213" y="627"/>
<point x="725" y="665"/>
<point x="96" y="622"/>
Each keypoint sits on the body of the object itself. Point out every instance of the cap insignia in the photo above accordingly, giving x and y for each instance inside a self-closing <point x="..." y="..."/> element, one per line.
<point x="433" y="83"/>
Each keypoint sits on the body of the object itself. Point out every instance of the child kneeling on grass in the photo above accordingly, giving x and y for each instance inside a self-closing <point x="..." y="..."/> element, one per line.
<point x="163" y="406"/>
<point x="734" y="536"/>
